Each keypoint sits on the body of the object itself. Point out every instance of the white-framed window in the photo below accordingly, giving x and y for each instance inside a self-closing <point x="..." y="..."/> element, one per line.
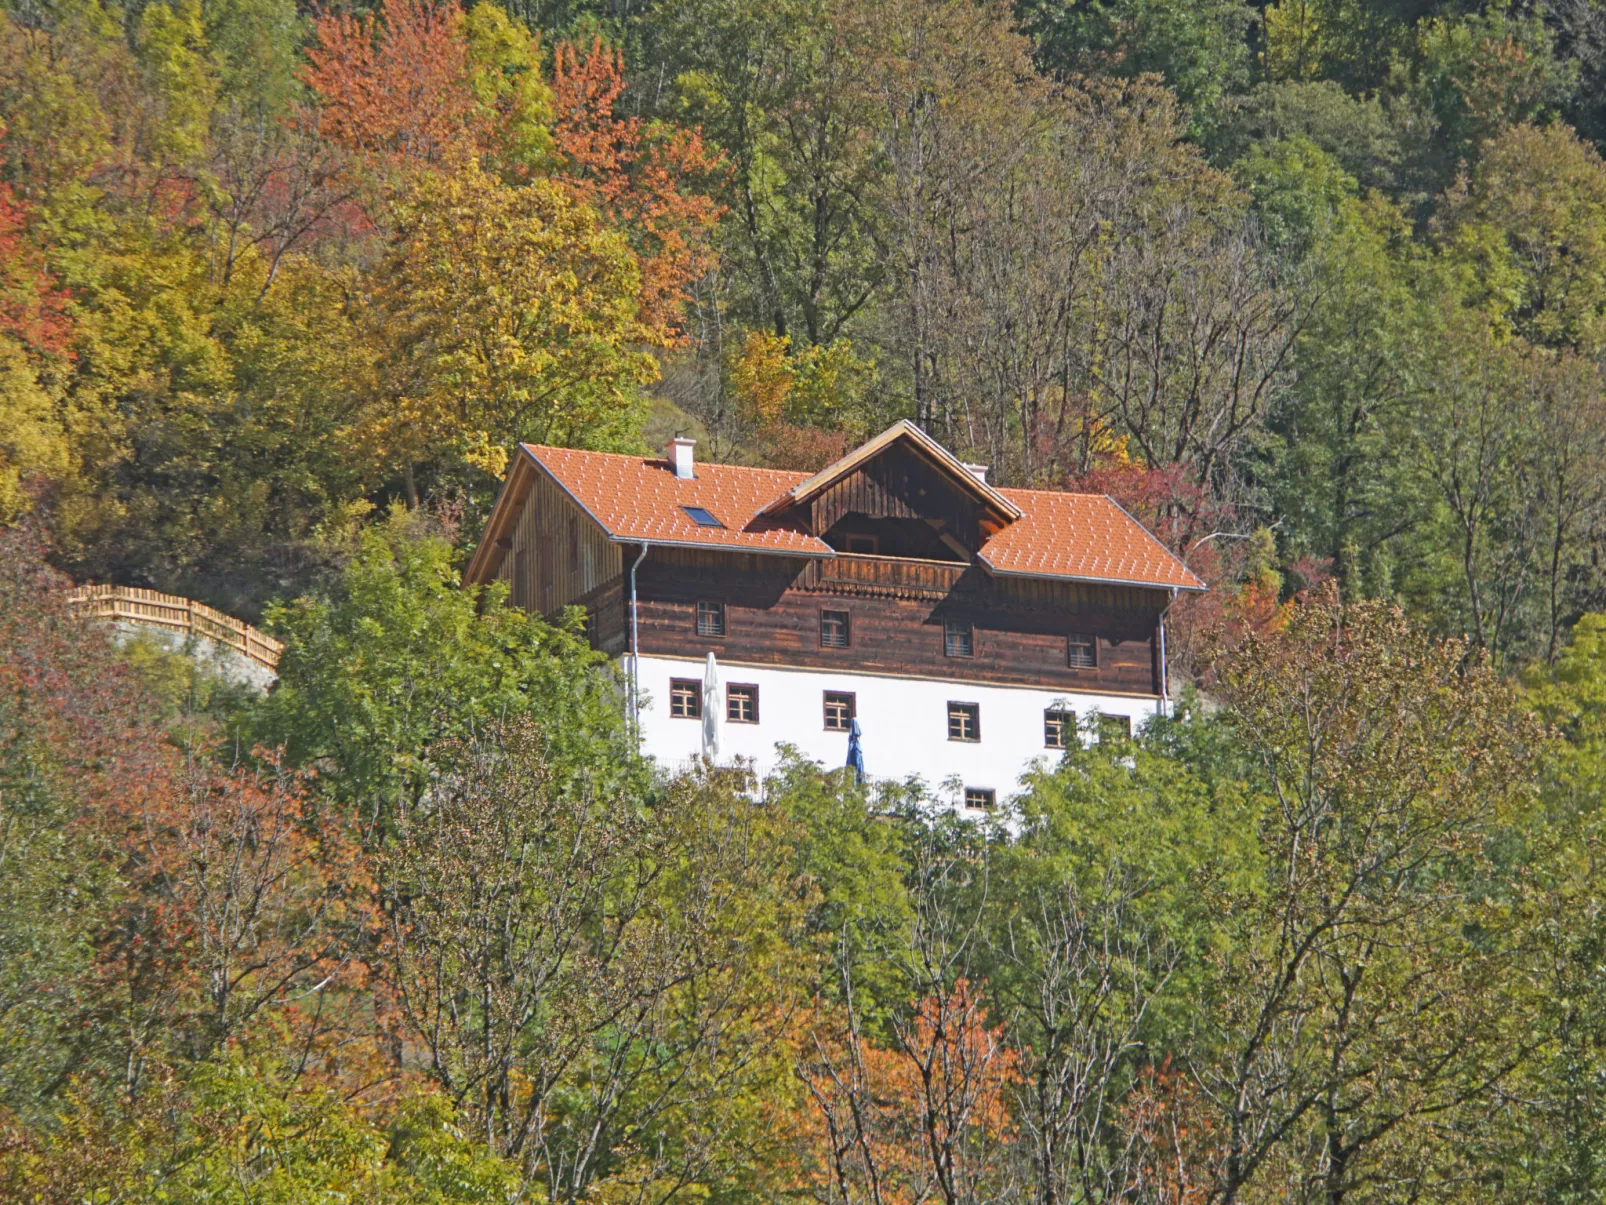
<point x="840" y="708"/>
<point x="1059" y="728"/>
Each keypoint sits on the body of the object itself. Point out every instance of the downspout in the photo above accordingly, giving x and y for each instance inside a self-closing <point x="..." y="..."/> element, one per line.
<point x="1165" y="673"/>
<point x="635" y="654"/>
<point x="1165" y="669"/>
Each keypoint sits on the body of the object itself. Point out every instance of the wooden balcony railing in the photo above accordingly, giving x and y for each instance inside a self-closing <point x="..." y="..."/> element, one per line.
<point x="134" y="605"/>
<point x="883" y="576"/>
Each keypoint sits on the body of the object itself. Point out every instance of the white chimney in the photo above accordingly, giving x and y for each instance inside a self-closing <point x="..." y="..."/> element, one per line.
<point x="678" y="453"/>
<point x="978" y="471"/>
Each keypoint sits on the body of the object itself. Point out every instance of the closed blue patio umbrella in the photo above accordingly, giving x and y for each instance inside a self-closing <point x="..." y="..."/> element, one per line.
<point x="856" y="754"/>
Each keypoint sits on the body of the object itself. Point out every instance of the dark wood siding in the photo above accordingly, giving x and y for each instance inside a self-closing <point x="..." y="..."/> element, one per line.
<point x="899" y="485"/>
<point x="897" y="611"/>
<point x="558" y="555"/>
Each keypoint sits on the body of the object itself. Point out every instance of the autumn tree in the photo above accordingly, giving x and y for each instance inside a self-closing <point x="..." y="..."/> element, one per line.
<point x="1369" y="998"/>
<point x="503" y="313"/>
<point x="594" y="984"/>
<point x="642" y="177"/>
<point x="35" y="331"/>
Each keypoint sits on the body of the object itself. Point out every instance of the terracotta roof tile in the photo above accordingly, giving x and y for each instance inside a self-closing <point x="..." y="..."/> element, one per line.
<point x="640" y="498"/>
<point x="1082" y="536"/>
<point x="1085" y="537"/>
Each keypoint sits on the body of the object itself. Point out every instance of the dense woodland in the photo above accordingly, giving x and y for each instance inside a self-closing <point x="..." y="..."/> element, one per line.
<point x="1315" y="289"/>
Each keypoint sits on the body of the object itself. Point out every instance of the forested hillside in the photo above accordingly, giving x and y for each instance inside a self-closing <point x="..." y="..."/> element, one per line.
<point x="1317" y="290"/>
<point x="1332" y="270"/>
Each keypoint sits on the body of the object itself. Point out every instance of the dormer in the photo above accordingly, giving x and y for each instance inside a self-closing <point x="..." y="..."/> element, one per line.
<point x="902" y="494"/>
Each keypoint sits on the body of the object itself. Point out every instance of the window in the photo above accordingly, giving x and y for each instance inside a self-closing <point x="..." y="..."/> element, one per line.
<point x="834" y="631"/>
<point x="1115" y="727"/>
<point x="701" y="516"/>
<point x="980" y="797"/>
<point x="839" y="711"/>
<point x="710" y="618"/>
<point x="1083" y="652"/>
<point x="958" y="640"/>
<point x="1058" y="728"/>
<point x="863" y="544"/>
<point x="741" y="704"/>
<point x="964" y="721"/>
<point x="685" y="699"/>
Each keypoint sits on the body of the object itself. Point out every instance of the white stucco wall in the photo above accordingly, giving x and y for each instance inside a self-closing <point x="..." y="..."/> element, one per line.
<point x="904" y="722"/>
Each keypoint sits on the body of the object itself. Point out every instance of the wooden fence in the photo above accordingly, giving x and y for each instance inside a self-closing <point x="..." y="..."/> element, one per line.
<point x="133" y="605"/>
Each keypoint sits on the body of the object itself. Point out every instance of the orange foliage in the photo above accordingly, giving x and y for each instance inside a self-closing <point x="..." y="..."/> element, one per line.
<point x="395" y="83"/>
<point x="1178" y="1141"/>
<point x="902" y="1124"/>
<point x="32" y="309"/>
<point x="636" y="175"/>
<point x="229" y="896"/>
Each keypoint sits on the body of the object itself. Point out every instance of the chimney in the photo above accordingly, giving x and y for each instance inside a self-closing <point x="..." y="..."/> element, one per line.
<point x="978" y="471"/>
<point x="678" y="453"/>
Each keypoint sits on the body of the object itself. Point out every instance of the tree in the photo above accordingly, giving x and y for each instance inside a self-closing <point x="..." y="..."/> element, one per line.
<point x="1200" y="50"/>
<point x="395" y="82"/>
<point x="638" y="176"/>
<point x="504" y="313"/>
<point x="594" y="984"/>
<point x="770" y="84"/>
<point x="925" y="1119"/>
<point x="397" y="658"/>
<point x="35" y="331"/>
<point x="1526" y="230"/>
<point x="1375" y="990"/>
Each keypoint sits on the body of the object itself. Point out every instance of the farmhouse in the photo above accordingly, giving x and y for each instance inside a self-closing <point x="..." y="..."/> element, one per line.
<point x="967" y="629"/>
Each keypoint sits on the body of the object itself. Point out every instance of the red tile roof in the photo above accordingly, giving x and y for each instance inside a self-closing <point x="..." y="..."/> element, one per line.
<point x="639" y="498"/>
<point x="1084" y="537"/>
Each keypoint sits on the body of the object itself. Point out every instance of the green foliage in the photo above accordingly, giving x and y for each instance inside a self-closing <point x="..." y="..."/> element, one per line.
<point x="1482" y="73"/>
<point x="1298" y="189"/>
<point x="242" y="1131"/>
<point x="1200" y="49"/>
<point x="1152" y="845"/>
<point x="396" y="658"/>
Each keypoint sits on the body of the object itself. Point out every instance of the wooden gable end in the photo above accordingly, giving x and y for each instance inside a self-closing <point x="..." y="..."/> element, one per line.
<point x="899" y="483"/>
<point x="555" y="554"/>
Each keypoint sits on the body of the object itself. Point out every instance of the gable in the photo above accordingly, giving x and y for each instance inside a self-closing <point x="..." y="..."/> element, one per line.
<point x="899" y="484"/>
<point x="994" y="509"/>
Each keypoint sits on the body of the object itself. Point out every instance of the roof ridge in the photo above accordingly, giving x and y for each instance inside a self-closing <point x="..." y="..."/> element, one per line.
<point x="716" y="464"/>
<point x="1020" y="489"/>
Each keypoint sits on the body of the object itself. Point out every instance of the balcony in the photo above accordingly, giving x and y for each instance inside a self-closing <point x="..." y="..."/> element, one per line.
<point x="883" y="576"/>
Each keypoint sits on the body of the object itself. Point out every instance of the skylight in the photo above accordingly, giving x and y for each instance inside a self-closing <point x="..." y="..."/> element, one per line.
<point x="702" y="517"/>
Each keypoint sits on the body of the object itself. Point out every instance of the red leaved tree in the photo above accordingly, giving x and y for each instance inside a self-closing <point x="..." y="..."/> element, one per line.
<point x="33" y="308"/>
<point x="395" y="83"/>
<point x="641" y="176"/>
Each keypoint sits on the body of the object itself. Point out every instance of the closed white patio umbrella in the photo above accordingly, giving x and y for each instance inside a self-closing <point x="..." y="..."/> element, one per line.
<point x="712" y="707"/>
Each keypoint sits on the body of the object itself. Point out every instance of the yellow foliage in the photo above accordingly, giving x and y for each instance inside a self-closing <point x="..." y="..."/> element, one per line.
<point x="33" y="441"/>
<point x="760" y="376"/>
<point x="503" y="313"/>
<point x="1295" y="41"/>
<point x="817" y="387"/>
<point x="504" y="61"/>
<point x="171" y="44"/>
